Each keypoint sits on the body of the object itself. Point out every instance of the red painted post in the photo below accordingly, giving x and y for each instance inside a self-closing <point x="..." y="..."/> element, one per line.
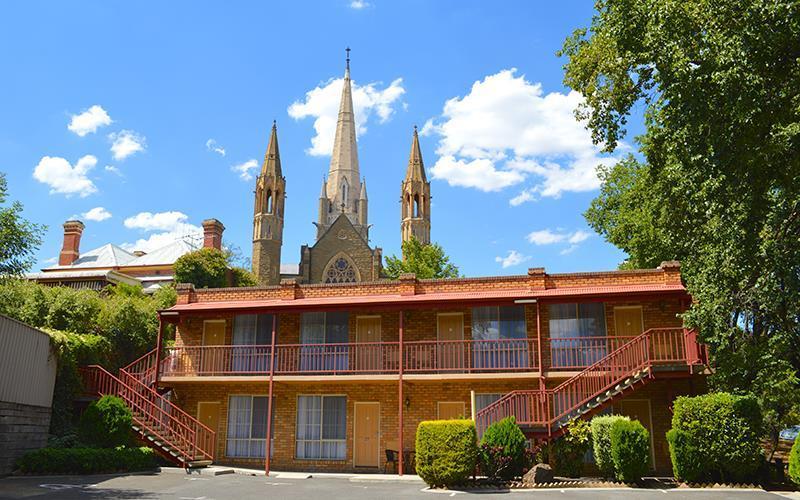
<point x="158" y="351"/>
<point x="400" y="401"/>
<point x="269" y="398"/>
<point x="542" y="385"/>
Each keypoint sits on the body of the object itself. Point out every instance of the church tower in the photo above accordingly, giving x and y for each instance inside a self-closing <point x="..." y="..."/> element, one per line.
<point x="344" y="192"/>
<point x="415" y="198"/>
<point x="270" y="194"/>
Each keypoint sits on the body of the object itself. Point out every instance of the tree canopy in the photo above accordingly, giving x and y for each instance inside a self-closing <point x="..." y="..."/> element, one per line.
<point x="426" y="261"/>
<point x="211" y="268"/>
<point x="717" y="184"/>
<point x="19" y="238"/>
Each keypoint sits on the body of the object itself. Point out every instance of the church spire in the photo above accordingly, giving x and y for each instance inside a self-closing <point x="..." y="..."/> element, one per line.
<point x="272" y="158"/>
<point x="344" y="160"/>
<point x="416" y="168"/>
<point x="415" y="198"/>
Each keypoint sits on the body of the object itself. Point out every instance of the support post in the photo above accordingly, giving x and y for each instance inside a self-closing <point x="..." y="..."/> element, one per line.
<point x="268" y="451"/>
<point x="159" y="343"/>
<point x="400" y="400"/>
<point x="539" y="345"/>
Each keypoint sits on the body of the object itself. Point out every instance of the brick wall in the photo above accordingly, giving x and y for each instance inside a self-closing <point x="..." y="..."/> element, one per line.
<point x="23" y="428"/>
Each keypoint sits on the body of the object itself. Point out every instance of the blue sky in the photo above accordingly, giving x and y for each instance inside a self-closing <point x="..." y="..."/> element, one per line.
<point x="128" y="106"/>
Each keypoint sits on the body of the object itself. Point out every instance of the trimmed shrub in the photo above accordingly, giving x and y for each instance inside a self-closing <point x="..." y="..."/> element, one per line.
<point x="106" y="423"/>
<point x="601" y="442"/>
<point x="794" y="462"/>
<point x="86" y="460"/>
<point x="715" y="438"/>
<point x="630" y="450"/>
<point x="446" y="451"/>
<point x="502" y="450"/>
<point x="567" y="452"/>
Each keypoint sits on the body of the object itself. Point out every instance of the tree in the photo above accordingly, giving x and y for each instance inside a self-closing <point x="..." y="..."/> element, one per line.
<point x="205" y="268"/>
<point x="426" y="261"/>
<point x="717" y="184"/>
<point x="19" y="238"/>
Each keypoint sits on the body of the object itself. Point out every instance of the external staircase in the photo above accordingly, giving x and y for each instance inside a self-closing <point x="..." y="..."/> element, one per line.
<point x="543" y="414"/>
<point x="172" y="432"/>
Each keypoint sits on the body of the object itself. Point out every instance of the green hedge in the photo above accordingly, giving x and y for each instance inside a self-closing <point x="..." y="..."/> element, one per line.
<point x="601" y="442"/>
<point x="106" y="423"/>
<point x="630" y="450"/>
<point x="502" y="449"/>
<point x="86" y="460"/>
<point x="794" y="462"/>
<point x="566" y="453"/>
<point x="446" y="451"/>
<point x="715" y="438"/>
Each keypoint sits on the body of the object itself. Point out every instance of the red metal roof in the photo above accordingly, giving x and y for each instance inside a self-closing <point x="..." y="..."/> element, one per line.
<point x="430" y="298"/>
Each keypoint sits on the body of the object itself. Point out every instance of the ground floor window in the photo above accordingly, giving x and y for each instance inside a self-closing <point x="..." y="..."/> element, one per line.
<point x="321" y="427"/>
<point x="247" y="427"/>
<point x="484" y="400"/>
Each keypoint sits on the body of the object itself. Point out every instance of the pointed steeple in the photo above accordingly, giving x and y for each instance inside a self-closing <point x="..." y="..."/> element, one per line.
<point x="416" y="168"/>
<point x="363" y="194"/>
<point x="344" y="160"/>
<point x="272" y="159"/>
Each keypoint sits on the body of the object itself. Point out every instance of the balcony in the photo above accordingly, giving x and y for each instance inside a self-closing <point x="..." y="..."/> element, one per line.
<point x="377" y="358"/>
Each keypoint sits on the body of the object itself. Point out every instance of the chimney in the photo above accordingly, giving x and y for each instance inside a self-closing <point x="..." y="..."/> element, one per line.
<point x="70" y="250"/>
<point x="212" y="234"/>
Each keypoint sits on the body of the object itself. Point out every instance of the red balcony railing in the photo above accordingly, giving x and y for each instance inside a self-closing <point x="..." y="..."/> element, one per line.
<point x="432" y="356"/>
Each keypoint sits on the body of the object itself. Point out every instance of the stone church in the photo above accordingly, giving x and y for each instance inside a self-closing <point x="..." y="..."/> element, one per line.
<point x="342" y="251"/>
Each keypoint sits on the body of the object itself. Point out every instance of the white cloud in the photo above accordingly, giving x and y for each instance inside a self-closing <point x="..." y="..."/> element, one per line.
<point x="97" y="214"/>
<point x="89" y="121"/>
<point x="550" y="237"/>
<point x="212" y="145"/>
<point x="513" y="258"/>
<point x="244" y="168"/>
<point x="65" y="179"/>
<point x="113" y="170"/>
<point x="479" y="173"/>
<point x="322" y="104"/>
<point x="171" y="226"/>
<point x="359" y="4"/>
<point x="515" y="128"/>
<point x="125" y="143"/>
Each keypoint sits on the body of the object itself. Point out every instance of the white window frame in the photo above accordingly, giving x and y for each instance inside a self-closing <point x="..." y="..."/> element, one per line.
<point x="251" y="438"/>
<point x="321" y="423"/>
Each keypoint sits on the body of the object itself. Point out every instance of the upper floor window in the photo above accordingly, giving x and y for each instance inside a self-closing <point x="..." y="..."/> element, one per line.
<point x="503" y="322"/>
<point x="324" y="328"/>
<point x="252" y="329"/>
<point x="577" y="320"/>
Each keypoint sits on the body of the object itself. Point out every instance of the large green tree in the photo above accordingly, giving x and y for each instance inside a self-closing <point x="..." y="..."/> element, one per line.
<point x="717" y="184"/>
<point x="19" y="238"/>
<point x="426" y="261"/>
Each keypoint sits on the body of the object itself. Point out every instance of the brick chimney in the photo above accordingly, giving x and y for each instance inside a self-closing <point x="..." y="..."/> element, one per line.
<point x="212" y="234"/>
<point x="70" y="250"/>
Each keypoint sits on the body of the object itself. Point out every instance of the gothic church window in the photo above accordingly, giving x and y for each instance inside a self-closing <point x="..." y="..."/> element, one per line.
<point x="269" y="201"/>
<point x="340" y="270"/>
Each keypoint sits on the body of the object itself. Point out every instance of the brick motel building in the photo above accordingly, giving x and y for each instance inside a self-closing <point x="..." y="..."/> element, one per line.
<point x="353" y="368"/>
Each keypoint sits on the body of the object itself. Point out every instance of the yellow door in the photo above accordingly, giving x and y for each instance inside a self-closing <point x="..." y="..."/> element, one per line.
<point x="449" y="410"/>
<point x="211" y="359"/>
<point x="639" y="409"/>
<point x="368" y="330"/>
<point x="450" y="351"/>
<point x="366" y="437"/>
<point x="208" y="414"/>
<point x="628" y="321"/>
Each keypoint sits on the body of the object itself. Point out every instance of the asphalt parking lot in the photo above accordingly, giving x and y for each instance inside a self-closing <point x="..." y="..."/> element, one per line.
<point x="240" y="487"/>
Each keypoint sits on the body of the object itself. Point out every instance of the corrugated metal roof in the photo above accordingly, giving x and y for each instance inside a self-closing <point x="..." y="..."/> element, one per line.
<point x="108" y="255"/>
<point x="438" y="297"/>
<point x="68" y="274"/>
<point x="27" y="364"/>
<point x="165" y="255"/>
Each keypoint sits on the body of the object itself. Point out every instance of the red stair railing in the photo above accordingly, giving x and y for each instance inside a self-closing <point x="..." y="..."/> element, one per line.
<point x="188" y="437"/>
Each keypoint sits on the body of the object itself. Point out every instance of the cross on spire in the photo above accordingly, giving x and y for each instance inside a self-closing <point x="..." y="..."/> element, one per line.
<point x="347" y="50"/>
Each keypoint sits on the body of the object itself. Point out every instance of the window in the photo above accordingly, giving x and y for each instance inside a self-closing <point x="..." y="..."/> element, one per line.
<point x="500" y="337"/>
<point x="340" y="271"/>
<point x="321" y="427"/>
<point x="252" y="336"/>
<point x="577" y="333"/>
<point x="247" y="427"/>
<point x="324" y="328"/>
<point x="484" y="400"/>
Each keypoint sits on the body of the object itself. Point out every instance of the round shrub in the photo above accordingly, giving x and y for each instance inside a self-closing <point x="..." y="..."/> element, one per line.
<point x="630" y="450"/>
<point x="106" y="423"/>
<point x="567" y="452"/>
<point x="716" y="438"/>
<point x="446" y="451"/>
<point x="601" y="442"/>
<point x="794" y="462"/>
<point x="502" y="450"/>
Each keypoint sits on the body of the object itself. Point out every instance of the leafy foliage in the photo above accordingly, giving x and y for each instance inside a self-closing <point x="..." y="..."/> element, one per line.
<point x="567" y="451"/>
<point x="106" y="423"/>
<point x="426" y="261"/>
<point x="19" y="238"/>
<point x="502" y="450"/>
<point x="630" y="450"/>
<point x="794" y="462"/>
<point x="601" y="442"/>
<point x="243" y="277"/>
<point x="86" y="460"/>
<point x="446" y="451"/>
<point x="205" y="268"/>
<point x="714" y="438"/>
<point x="718" y="183"/>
